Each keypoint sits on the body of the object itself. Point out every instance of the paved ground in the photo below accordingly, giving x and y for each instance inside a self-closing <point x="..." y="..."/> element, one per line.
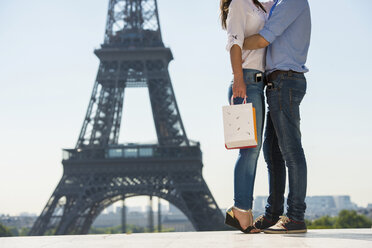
<point x="351" y="238"/>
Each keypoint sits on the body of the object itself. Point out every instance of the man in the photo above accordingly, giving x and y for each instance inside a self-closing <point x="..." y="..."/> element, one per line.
<point x="287" y="35"/>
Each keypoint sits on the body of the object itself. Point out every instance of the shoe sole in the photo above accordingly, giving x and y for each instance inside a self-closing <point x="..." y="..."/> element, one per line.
<point x="284" y="231"/>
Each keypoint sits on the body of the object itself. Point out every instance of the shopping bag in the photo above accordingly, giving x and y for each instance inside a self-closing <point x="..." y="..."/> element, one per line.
<point x="239" y="122"/>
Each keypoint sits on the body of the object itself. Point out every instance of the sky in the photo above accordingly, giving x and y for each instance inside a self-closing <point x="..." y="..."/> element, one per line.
<point x="48" y="68"/>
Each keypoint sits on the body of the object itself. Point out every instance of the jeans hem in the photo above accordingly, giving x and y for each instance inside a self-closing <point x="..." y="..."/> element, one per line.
<point x="296" y="219"/>
<point x="243" y="207"/>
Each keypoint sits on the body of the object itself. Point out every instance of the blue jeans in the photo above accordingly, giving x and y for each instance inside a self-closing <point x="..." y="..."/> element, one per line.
<point x="282" y="147"/>
<point x="246" y="164"/>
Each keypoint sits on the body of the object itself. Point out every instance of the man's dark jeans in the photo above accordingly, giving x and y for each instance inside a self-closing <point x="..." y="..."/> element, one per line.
<point x="282" y="146"/>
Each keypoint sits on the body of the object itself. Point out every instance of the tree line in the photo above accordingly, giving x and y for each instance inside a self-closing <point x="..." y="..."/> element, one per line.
<point x="344" y="219"/>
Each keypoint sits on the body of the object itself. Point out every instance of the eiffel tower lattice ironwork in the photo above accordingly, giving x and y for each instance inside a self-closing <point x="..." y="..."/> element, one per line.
<point x="99" y="171"/>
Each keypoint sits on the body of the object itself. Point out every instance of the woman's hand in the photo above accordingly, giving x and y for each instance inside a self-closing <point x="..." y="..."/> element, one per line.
<point x="239" y="88"/>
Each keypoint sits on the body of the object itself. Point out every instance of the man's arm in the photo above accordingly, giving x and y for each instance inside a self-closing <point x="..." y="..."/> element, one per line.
<point x="254" y="42"/>
<point x="284" y="14"/>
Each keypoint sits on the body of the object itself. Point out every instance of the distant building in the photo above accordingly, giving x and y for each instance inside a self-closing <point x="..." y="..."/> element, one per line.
<point x="110" y="209"/>
<point x="134" y="209"/>
<point x="18" y="221"/>
<point x="259" y="203"/>
<point x="171" y="218"/>
<point x="174" y="218"/>
<point x="173" y="209"/>
<point x="316" y="206"/>
<point x="26" y="214"/>
<point x="179" y="223"/>
<point x="344" y="202"/>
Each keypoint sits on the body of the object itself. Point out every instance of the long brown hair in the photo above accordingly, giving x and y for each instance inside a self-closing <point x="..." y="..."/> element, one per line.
<point x="224" y="7"/>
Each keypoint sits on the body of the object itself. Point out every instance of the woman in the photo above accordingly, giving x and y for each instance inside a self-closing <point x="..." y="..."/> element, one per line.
<point x="242" y="18"/>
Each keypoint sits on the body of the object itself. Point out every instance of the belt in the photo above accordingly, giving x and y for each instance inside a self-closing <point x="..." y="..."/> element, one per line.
<point x="272" y="76"/>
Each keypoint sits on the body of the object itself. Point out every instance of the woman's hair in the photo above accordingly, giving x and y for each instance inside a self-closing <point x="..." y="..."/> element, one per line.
<point x="224" y="7"/>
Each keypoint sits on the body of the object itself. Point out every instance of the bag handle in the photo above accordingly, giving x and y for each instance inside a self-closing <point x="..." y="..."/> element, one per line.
<point x="232" y="100"/>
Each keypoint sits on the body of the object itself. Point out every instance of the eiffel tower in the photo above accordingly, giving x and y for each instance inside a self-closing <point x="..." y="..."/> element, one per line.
<point x="100" y="171"/>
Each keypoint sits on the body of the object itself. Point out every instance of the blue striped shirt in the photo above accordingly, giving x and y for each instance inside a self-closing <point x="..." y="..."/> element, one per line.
<point x="288" y="31"/>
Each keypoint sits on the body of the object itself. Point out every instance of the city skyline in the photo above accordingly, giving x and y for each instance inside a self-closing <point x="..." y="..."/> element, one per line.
<point x="48" y="69"/>
<point x="317" y="206"/>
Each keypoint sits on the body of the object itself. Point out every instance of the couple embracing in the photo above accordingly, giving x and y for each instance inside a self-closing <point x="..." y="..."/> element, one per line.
<point x="268" y="44"/>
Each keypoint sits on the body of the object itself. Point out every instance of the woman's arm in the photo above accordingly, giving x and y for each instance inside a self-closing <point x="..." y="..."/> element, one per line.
<point x="239" y="88"/>
<point x="235" y="23"/>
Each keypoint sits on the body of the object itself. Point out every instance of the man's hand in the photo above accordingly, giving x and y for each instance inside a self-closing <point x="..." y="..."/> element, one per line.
<point x="254" y="42"/>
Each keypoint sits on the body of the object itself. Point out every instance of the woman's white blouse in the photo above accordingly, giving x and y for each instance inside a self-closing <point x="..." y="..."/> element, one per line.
<point x="245" y="19"/>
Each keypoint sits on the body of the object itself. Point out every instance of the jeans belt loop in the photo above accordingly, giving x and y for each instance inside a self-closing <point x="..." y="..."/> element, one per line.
<point x="272" y="76"/>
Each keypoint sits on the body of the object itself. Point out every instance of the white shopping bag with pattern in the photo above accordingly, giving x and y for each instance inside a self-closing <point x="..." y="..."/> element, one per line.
<point x="239" y="122"/>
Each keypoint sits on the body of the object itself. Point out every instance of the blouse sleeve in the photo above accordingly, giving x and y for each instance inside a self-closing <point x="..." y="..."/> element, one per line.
<point x="235" y="24"/>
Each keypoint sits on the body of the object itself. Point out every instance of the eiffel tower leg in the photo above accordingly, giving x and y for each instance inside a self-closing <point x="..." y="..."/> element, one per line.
<point x="151" y="216"/>
<point x="82" y="216"/>
<point x="67" y="218"/>
<point x="205" y="214"/>
<point x="60" y="214"/>
<point x="85" y="222"/>
<point x="159" y="215"/>
<point x="168" y="122"/>
<point x="51" y="216"/>
<point x="124" y="217"/>
<point x="101" y="125"/>
<point x="42" y="221"/>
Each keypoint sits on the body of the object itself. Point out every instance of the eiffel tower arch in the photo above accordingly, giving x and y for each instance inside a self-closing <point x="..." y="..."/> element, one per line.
<point x="99" y="171"/>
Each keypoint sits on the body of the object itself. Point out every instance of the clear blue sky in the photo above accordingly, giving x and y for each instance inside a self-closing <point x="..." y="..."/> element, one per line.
<point x="48" y="68"/>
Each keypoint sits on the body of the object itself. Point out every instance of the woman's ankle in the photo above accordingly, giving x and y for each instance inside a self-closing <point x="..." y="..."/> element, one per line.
<point x="242" y="210"/>
<point x="245" y="217"/>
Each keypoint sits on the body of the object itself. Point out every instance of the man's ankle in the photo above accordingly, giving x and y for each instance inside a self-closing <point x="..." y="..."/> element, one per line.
<point x="296" y="220"/>
<point x="272" y="218"/>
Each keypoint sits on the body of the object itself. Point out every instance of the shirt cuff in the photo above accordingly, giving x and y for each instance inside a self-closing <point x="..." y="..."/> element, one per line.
<point x="233" y="41"/>
<point x="268" y="35"/>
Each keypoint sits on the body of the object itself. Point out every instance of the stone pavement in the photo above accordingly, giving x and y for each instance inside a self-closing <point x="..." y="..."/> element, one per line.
<point x="351" y="238"/>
